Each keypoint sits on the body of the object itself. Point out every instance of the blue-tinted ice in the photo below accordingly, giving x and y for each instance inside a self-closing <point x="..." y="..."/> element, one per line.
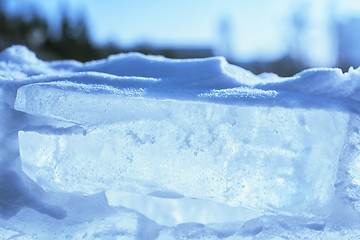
<point x="144" y="147"/>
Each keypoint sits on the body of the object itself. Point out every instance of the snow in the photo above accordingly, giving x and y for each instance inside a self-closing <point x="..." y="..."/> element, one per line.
<point x="144" y="147"/>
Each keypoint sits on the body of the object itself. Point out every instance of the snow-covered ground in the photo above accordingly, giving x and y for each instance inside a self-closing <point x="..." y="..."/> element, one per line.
<point x="144" y="147"/>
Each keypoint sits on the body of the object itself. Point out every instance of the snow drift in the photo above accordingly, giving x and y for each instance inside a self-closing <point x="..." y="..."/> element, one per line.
<point x="151" y="148"/>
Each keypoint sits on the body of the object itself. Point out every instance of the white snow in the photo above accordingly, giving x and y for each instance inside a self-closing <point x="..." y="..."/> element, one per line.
<point x="144" y="147"/>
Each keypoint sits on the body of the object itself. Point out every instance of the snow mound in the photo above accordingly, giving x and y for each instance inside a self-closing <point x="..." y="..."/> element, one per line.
<point x="145" y="147"/>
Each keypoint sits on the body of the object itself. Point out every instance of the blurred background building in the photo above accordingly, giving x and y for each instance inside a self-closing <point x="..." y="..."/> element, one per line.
<point x="281" y="36"/>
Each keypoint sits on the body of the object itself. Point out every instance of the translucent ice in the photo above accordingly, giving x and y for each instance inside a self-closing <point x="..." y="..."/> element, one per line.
<point x="266" y="158"/>
<point x="167" y="138"/>
<point x="172" y="211"/>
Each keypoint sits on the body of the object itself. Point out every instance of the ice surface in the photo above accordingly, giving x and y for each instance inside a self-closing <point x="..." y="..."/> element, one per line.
<point x="179" y="143"/>
<point x="172" y="211"/>
<point x="242" y="156"/>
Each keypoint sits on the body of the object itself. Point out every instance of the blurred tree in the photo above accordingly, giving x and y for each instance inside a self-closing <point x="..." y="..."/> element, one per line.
<point x="225" y="37"/>
<point x="74" y="41"/>
<point x="2" y="18"/>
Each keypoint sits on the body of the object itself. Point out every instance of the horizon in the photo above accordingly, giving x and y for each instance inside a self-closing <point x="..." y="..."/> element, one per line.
<point x="240" y="30"/>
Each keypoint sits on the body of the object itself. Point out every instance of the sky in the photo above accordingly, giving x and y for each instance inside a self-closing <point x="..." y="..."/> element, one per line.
<point x="251" y="30"/>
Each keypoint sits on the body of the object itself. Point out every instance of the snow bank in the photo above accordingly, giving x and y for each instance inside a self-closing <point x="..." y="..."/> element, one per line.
<point x="151" y="148"/>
